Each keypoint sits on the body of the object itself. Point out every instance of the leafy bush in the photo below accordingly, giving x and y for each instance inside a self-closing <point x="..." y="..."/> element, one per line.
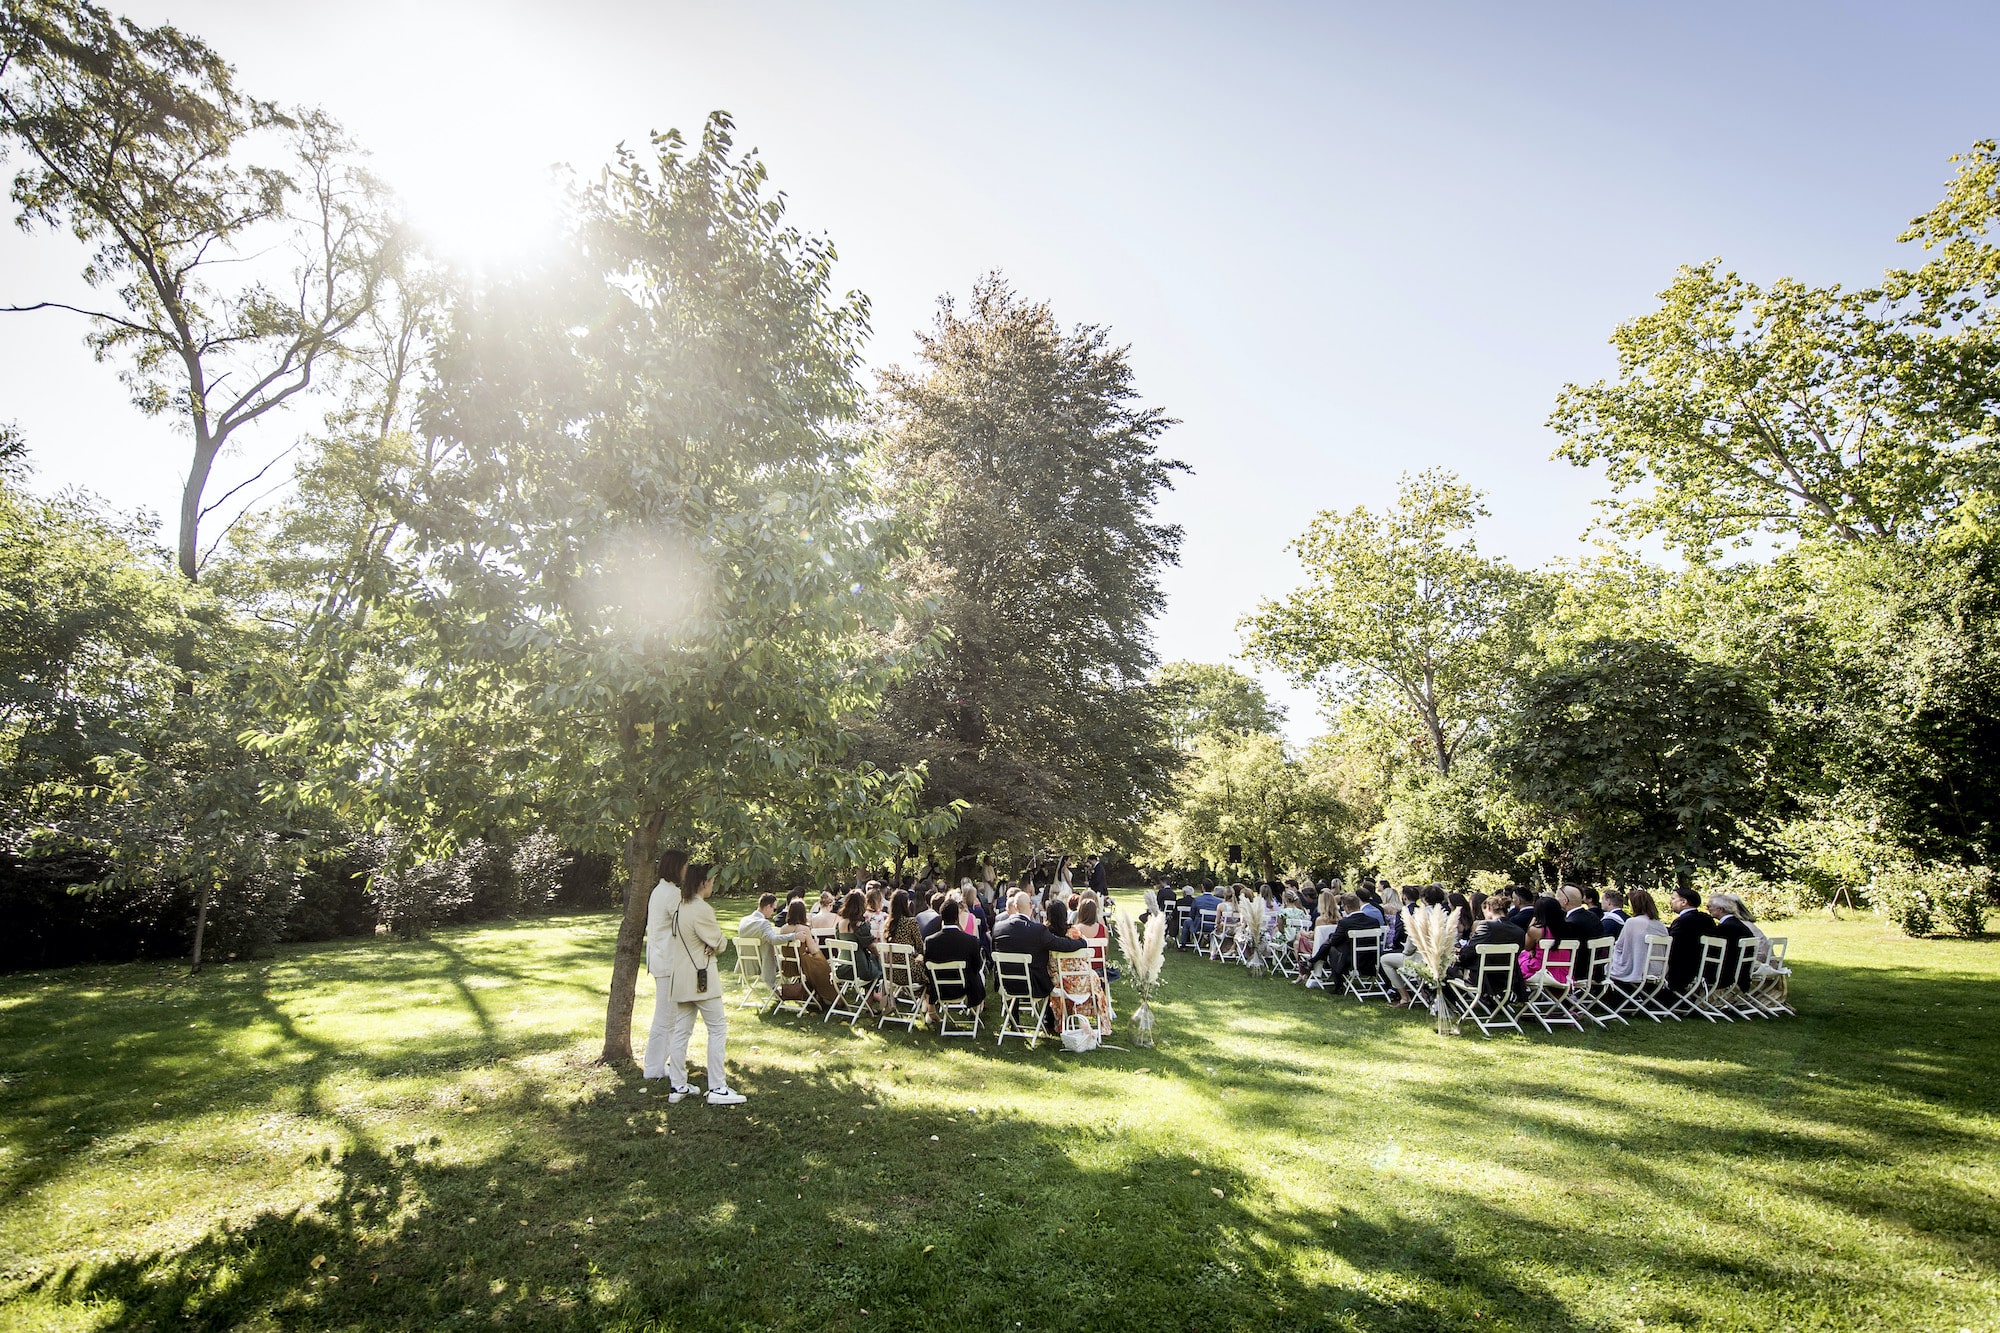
<point x="539" y="864"/>
<point x="1920" y="897"/>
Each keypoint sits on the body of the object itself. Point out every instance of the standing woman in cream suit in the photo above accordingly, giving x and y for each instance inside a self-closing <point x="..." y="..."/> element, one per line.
<point x="661" y="910"/>
<point x="696" y="987"/>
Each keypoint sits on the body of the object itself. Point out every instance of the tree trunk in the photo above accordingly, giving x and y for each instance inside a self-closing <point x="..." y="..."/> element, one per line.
<point x="197" y="483"/>
<point x="200" y="924"/>
<point x="642" y="858"/>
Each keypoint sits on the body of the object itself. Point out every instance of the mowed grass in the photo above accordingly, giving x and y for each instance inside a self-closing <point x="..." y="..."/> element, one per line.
<point x="375" y="1135"/>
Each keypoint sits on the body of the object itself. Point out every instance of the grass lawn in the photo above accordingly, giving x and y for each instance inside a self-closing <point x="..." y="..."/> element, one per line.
<point x="372" y="1135"/>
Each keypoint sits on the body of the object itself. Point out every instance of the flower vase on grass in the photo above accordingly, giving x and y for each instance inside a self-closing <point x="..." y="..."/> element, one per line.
<point x="1144" y="952"/>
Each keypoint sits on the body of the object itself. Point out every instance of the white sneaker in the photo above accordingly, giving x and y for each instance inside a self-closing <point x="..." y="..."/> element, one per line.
<point x="680" y="1092"/>
<point x="725" y="1097"/>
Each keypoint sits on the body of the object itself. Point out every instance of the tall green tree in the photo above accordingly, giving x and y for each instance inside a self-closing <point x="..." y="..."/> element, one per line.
<point x="644" y="578"/>
<point x="1401" y="615"/>
<point x="1212" y="699"/>
<point x="1657" y="760"/>
<point x="238" y="242"/>
<point x="1019" y="450"/>
<point x="1804" y="411"/>
<point x="1246" y="789"/>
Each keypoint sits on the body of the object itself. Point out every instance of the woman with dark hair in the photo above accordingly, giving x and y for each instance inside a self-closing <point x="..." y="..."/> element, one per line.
<point x="903" y="929"/>
<point x="855" y="930"/>
<point x="694" y="941"/>
<point x="1548" y="925"/>
<point x="818" y="974"/>
<point x="1462" y="913"/>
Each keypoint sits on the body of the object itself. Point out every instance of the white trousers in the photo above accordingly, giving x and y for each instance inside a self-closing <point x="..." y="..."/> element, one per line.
<point x="655" y="1065"/>
<point x="715" y="1017"/>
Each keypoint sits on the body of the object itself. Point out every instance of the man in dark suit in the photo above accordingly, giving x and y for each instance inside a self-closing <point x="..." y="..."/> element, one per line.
<point x="1685" y="932"/>
<point x="1523" y="912"/>
<point x="1337" y="954"/>
<point x="1495" y="929"/>
<point x="952" y="945"/>
<point x="1614" y="912"/>
<point x="1021" y="933"/>
<point x="1100" y="878"/>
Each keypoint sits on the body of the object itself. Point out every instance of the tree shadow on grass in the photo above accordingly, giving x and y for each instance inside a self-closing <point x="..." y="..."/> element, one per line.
<point x="628" y="1214"/>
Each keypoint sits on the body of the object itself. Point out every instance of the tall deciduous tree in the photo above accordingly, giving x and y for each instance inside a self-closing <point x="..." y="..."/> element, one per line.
<point x="1018" y="447"/>
<point x="1402" y="614"/>
<point x="642" y="576"/>
<point x="1803" y="411"/>
<point x="233" y="280"/>
<point x="1201" y="699"/>
<point x="1656" y="759"/>
<point x="1244" y="789"/>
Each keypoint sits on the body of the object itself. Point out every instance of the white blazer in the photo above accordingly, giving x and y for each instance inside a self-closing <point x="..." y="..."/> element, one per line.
<point x="661" y="910"/>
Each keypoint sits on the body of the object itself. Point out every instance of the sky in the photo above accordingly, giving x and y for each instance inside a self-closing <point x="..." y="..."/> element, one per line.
<point x="1343" y="242"/>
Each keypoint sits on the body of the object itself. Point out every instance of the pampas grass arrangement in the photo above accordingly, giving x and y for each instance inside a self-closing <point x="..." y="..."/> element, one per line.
<point x="1434" y="936"/>
<point x="1145" y="951"/>
<point x="1250" y="932"/>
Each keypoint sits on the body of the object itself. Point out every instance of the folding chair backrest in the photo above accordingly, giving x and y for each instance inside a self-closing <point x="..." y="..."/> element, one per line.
<point x="821" y="934"/>
<point x="1368" y="946"/>
<point x="1013" y="971"/>
<point x="1597" y="958"/>
<point x="898" y="965"/>
<point x="949" y="978"/>
<point x="791" y="959"/>
<point x="1714" y="949"/>
<point x="1204" y="921"/>
<point x="1658" y="946"/>
<point x="1559" y="953"/>
<point x="1098" y="948"/>
<point x="1075" y="977"/>
<point x="1776" y="956"/>
<point x="1496" y="964"/>
<point x="841" y="954"/>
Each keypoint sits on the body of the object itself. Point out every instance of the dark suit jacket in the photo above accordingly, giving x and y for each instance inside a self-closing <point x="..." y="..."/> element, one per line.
<point x="1580" y="924"/>
<point x="1339" y="947"/>
<point x="1684" y="950"/>
<point x="1611" y="923"/>
<point x="1741" y="953"/>
<point x="1020" y="934"/>
<point x="1490" y="931"/>
<point x="952" y="945"/>
<point x="1523" y="916"/>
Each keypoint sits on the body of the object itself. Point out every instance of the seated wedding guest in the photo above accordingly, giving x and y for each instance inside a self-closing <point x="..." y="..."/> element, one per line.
<point x="757" y="926"/>
<point x="1742" y="936"/>
<point x="1475" y="912"/>
<point x="855" y="930"/>
<point x="1098" y="1007"/>
<point x="1548" y="924"/>
<point x="1325" y="919"/>
<point x="1628" y="951"/>
<point x="824" y="918"/>
<point x="817" y="980"/>
<point x="1336" y="956"/>
<point x="953" y="944"/>
<point x="1371" y="903"/>
<point x="903" y="929"/>
<point x="1226" y="914"/>
<point x="1614" y="912"/>
<point x="1593" y="905"/>
<point x="1523" y="912"/>
<point x="1021" y="933"/>
<point x="875" y="911"/>
<point x="1461" y="913"/>
<point x="1296" y="919"/>
<point x="1688" y="927"/>
<point x="1391" y="908"/>
<point x="1494" y="928"/>
<point x="927" y="920"/>
<point x="1089" y="922"/>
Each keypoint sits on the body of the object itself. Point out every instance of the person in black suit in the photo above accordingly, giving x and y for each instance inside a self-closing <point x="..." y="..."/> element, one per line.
<point x="950" y="944"/>
<point x="1021" y="933"/>
<point x="1523" y="912"/>
<point x="1737" y="931"/>
<point x="1614" y="912"/>
<point x="1494" y="929"/>
<point x="1337" y="954"/>
<point x="1690" y="923"/>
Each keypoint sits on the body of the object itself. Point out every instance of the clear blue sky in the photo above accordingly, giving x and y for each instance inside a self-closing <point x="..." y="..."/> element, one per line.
<point x="1342" y="241"/>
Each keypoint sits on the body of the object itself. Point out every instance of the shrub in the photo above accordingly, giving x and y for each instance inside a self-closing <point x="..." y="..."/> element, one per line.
<point x="1961" y="895"/>
<point x="1916" y="897"/>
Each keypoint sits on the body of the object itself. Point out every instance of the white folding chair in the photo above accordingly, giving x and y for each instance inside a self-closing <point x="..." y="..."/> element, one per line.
<point x="1548" y="995"/>
<point x="1018" y="1001"/>
<point x="1366" y="985"/>
<point x="750" y="971"/>
<point x="791" y="967"/>
<point x="1699" y="997"/>
<point x="1771" y="978"/>
<point x="850" y="992"/>
<point x="1644" y="993"/>
<point x="1204" y="929"/>
<point x="1590" y="993"/>
<point x="954" y="1017"/>
<point x="1488" y="999"/>
<point x="1076" y="982"/>
<point x="1284" y="955"/>
<point x="899" y="983"/>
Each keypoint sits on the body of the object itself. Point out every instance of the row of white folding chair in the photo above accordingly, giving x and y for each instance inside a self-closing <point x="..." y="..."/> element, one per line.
<point x="954" y="1017"/>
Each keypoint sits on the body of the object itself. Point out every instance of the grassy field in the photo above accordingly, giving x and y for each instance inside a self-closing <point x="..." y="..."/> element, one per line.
<point x="374" y="1135"/>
